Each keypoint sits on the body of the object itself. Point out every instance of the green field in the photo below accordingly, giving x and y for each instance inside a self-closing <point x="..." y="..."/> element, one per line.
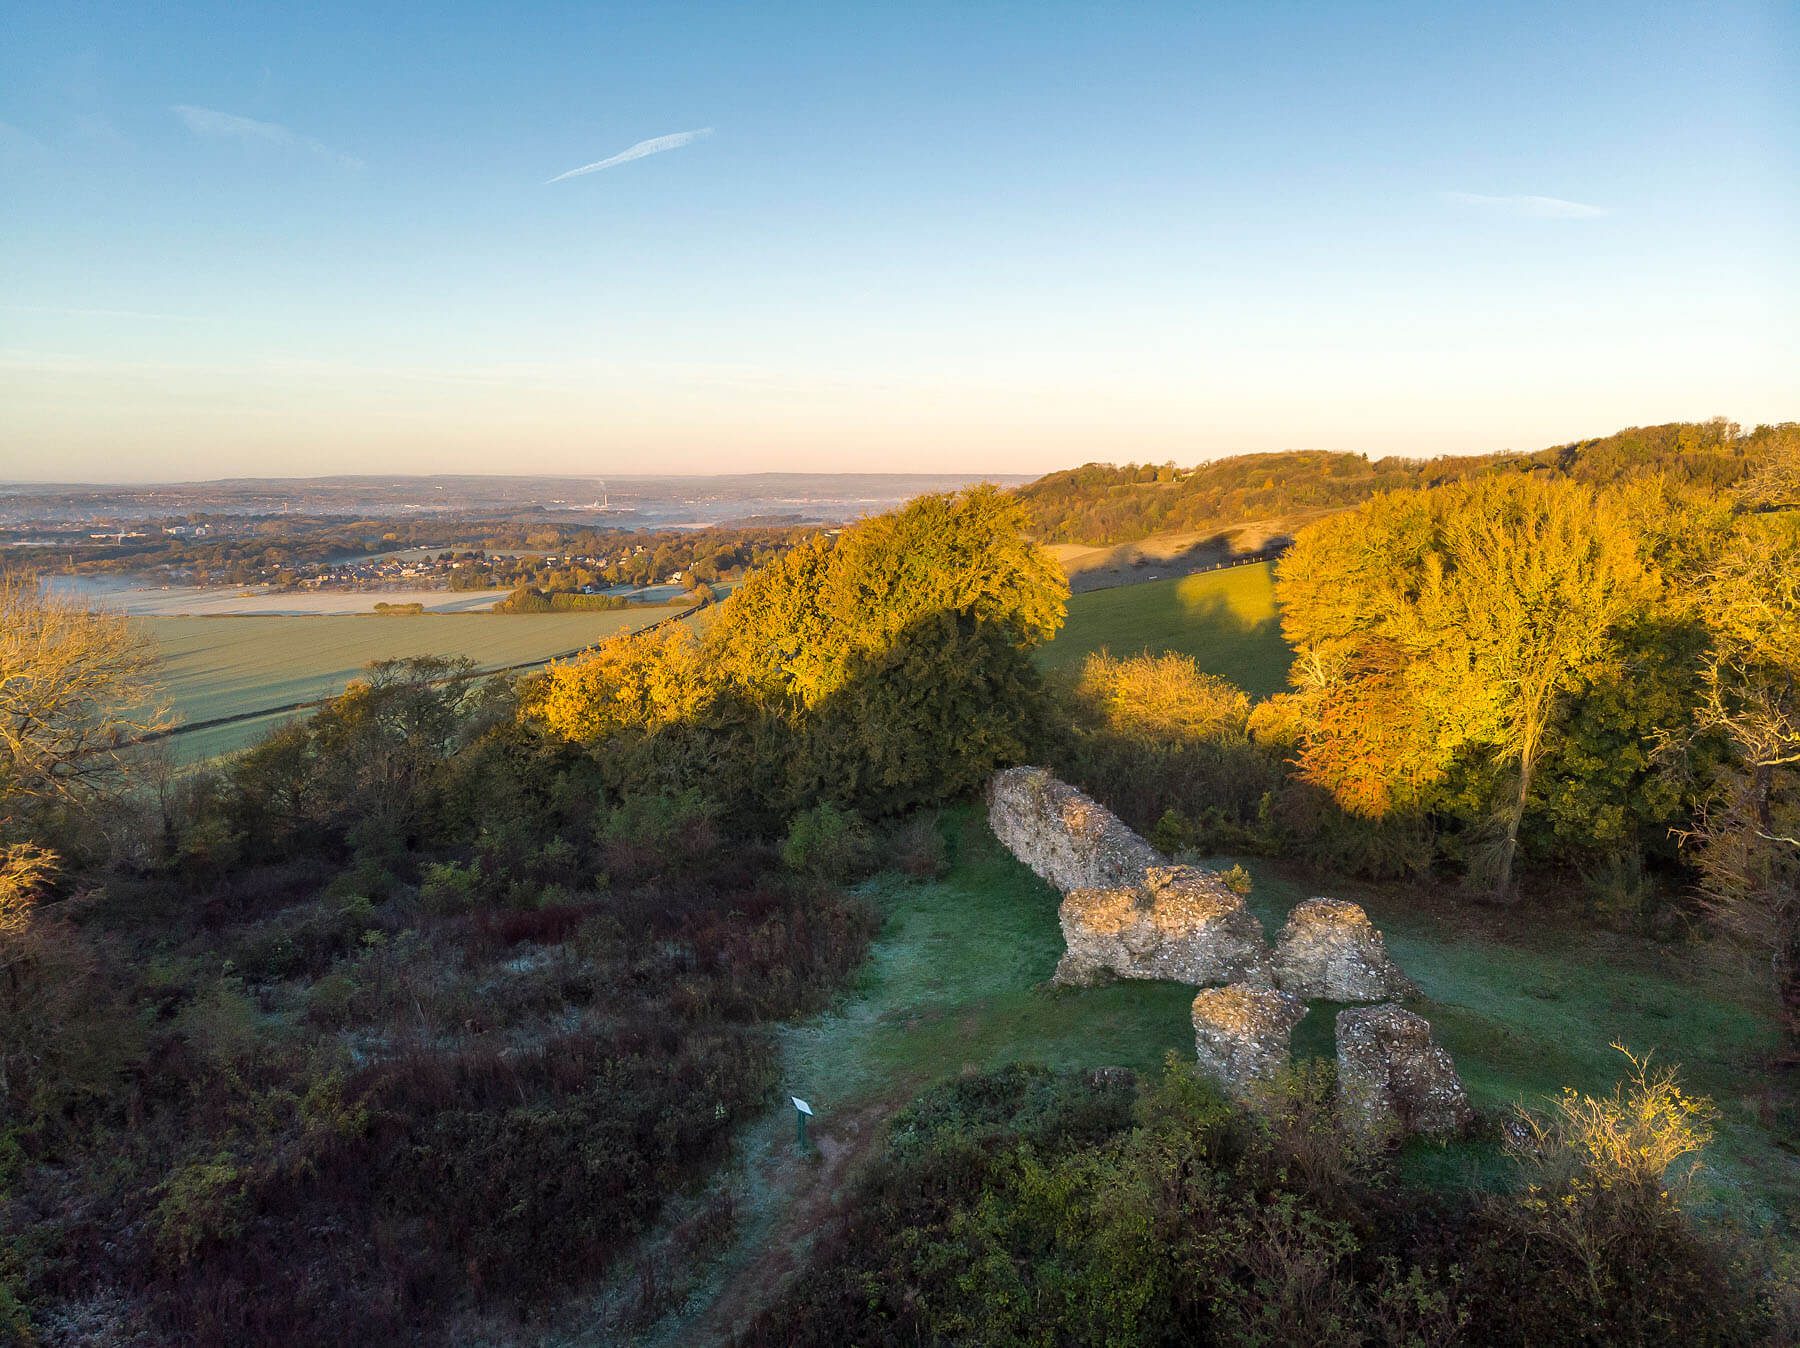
<point x="1224" y="619"/>
<point x="227" y="666"/>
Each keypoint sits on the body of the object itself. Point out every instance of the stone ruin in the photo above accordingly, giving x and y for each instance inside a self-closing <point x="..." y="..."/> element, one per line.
<point x="1330" y="950"/>
<point x="1393" y="1079"/>
<point x="1128" y="913"/>
<point x="1241" y="1035"/>
<point x="1177" y="923"/>
<point x="1069" y="839"/>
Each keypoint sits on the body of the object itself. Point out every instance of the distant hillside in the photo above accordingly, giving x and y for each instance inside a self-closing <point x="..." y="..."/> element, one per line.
<point x="1099" y="504"/>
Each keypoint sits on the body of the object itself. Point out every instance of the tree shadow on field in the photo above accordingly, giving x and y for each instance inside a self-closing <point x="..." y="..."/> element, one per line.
<point x="1231" y="635"/>
<point x="1226" y="621"/>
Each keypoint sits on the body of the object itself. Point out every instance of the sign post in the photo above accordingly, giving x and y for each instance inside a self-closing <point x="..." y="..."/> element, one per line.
<point x="802" y="1112"/>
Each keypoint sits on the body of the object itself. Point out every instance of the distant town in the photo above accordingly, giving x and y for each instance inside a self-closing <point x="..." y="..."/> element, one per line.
<point x="583" y="536"/>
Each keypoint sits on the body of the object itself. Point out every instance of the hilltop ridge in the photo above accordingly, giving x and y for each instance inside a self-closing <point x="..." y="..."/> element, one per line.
<point x="1100" y="504"/>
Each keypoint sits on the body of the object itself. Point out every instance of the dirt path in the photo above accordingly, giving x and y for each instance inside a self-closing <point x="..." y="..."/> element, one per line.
<point x="791" y="1196"/>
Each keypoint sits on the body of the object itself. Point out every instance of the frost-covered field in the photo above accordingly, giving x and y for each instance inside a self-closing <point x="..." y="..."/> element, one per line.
<point x="232" y="666"/>
<point x="158" y="601"/>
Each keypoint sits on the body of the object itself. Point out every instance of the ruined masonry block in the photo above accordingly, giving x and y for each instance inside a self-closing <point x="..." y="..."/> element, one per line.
<point x="1178" y="923"/>
<point x="1070" y="840"/>
<point x="1241" y="1034"/>
<point x="1330" y="949"/>
<point x="1393" y="1080"/>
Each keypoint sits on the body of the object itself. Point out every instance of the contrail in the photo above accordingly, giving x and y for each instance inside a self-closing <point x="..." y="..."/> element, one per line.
<point x="1537" y="208"/>
<point x="229" y="126"/>
<point x="656" y="145"/>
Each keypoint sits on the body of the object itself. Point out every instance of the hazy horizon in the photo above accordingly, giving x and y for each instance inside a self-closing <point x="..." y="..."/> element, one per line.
<point x="715" y="474"/>
<point x="587" y="478"/>
<point x="707" y="239"/>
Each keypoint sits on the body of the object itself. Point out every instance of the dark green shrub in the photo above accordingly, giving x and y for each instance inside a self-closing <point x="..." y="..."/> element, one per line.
<point x="828" y="845"/>
<point x="446" y="887"/>
<point x="649" y="832"/>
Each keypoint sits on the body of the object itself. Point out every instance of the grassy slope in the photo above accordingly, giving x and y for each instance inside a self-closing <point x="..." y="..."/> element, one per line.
<point x="1224" y="619"/>
<point x="227" y="665"/>
<point x="958" y="981"/>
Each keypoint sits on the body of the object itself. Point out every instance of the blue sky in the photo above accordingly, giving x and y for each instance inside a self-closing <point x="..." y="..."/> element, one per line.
<point x="961" y="237"/>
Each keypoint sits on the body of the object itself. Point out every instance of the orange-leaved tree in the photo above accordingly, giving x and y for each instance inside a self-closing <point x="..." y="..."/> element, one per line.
<point x="1746" y="842"/>
<point x="1434" y="627"/>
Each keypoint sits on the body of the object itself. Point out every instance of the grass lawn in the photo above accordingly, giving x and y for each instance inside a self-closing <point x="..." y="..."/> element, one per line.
<point x="226" y="666"/>
<point x="958" y="980"/>
<point x="1224" y="619"/>
<point x="1527" y="1009"/>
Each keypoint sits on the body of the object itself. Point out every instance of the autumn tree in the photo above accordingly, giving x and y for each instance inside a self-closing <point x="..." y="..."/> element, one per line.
<point x="1604" y="792"/>
<point x="76" y="693"/>
<point x="1774" y="482"/>
<point x="1746" y="841"/>
<point x="630" y="681"/>
<point x="926" y="717"/>
<point x="654" y="710"/>
<point x="882" y="667"/>
<point x="795" y="628"/>
<point x="1446" y="629"/>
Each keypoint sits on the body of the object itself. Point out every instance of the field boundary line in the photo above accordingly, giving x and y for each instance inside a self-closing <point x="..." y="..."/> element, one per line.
<point x="238" y="718"/>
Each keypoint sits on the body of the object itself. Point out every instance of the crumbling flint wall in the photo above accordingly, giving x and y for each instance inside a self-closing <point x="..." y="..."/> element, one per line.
<point x="1127" y="912"/>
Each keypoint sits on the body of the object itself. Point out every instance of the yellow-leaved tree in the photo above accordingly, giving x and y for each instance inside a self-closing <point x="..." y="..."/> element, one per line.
<point x="797" y="628"/>
<point x="76" y="692"/>
<point x="1774" y="481"/>
<point x="1439" y="626"/>
<point x="881" y="667"/>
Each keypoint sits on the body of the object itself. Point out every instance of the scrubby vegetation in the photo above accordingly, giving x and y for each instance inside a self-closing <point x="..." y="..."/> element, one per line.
<point x="415" y="1019"/>
<point x="423" y="1006"/>
<point x="1024" y="1206"/>
<point x="384" y="1024"/>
